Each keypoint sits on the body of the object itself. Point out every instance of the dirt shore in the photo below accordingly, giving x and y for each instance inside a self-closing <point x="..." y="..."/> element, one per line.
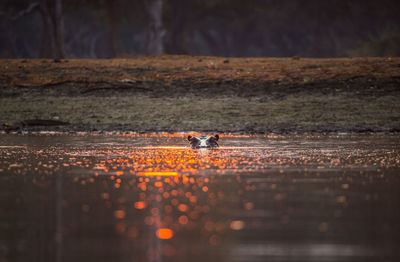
<point x="205" y="94"/>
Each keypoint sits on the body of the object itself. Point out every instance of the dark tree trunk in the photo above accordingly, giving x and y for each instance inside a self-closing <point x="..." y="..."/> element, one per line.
<point x="113" y="20"/>
<point x="52" y="45"/>
<point x="47" y="45"/>
<point x="177" y="28"/>
<point x="59" y="29"/>
<point x="155" y="31"/>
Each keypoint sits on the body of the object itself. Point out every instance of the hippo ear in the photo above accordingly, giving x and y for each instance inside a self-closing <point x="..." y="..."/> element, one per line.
<point x="216" y="137"/>
<point x="189" y="137"/>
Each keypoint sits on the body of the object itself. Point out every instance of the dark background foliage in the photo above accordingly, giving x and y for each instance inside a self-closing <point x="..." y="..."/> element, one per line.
<point x="269" y="28"/>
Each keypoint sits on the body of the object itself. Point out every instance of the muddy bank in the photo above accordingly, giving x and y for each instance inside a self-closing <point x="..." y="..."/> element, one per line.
<point x="180" y="93"/>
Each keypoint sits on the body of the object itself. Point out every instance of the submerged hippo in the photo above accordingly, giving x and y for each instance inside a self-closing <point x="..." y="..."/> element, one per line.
<point x="203" y="141"/>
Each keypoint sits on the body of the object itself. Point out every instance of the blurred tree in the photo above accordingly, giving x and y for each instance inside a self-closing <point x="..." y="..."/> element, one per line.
<point x="386" y="44"/>
<point x="114" y="28"/>
<point x="8" y="27"/>
<point x="114" y="19"/>
<point x="52" y="45"/>
<point x="155" y="31"/>
<point x="176" y="22"/>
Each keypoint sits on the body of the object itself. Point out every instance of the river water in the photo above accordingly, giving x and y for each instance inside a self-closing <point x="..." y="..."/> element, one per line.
<point x="149" y="197"/>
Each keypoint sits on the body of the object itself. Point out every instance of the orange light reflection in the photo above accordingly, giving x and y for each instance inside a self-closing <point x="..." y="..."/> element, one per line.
<point x="164" y="233"/>
<point x="157" y="174"/>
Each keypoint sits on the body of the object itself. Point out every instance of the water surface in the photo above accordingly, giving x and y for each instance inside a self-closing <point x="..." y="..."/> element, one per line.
<point x="151" y="198"/>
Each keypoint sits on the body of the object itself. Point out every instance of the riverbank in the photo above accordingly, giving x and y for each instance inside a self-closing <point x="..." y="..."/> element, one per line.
<point x="204" y="94"/>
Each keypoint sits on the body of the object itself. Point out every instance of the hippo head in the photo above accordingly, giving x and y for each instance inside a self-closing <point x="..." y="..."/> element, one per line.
<point x="203" y="141"/>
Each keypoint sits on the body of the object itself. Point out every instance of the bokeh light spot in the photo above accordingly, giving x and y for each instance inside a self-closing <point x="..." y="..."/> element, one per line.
<point x="120" y="214"/>
<point x="164" y="233"/>
<point x="140" y="205"/>
<point x="237" y="225"/>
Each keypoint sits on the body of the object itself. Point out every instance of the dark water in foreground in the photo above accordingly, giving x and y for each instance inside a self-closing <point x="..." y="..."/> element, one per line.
<point x="149" y="198"/>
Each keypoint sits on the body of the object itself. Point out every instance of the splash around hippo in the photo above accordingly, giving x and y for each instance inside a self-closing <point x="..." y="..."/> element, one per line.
<point x="203" y="141"/>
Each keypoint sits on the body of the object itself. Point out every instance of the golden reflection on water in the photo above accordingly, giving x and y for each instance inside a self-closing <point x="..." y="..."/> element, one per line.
<point x="157" y="174"/>
<point x="175" y="184"/>
<point x="163" y="161"/>
<point x="160" y="190"/>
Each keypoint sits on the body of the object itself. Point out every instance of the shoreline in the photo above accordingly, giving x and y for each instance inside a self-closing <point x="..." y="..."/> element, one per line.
<point x="206" y="94"/>
<point x="90" y="131"/>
